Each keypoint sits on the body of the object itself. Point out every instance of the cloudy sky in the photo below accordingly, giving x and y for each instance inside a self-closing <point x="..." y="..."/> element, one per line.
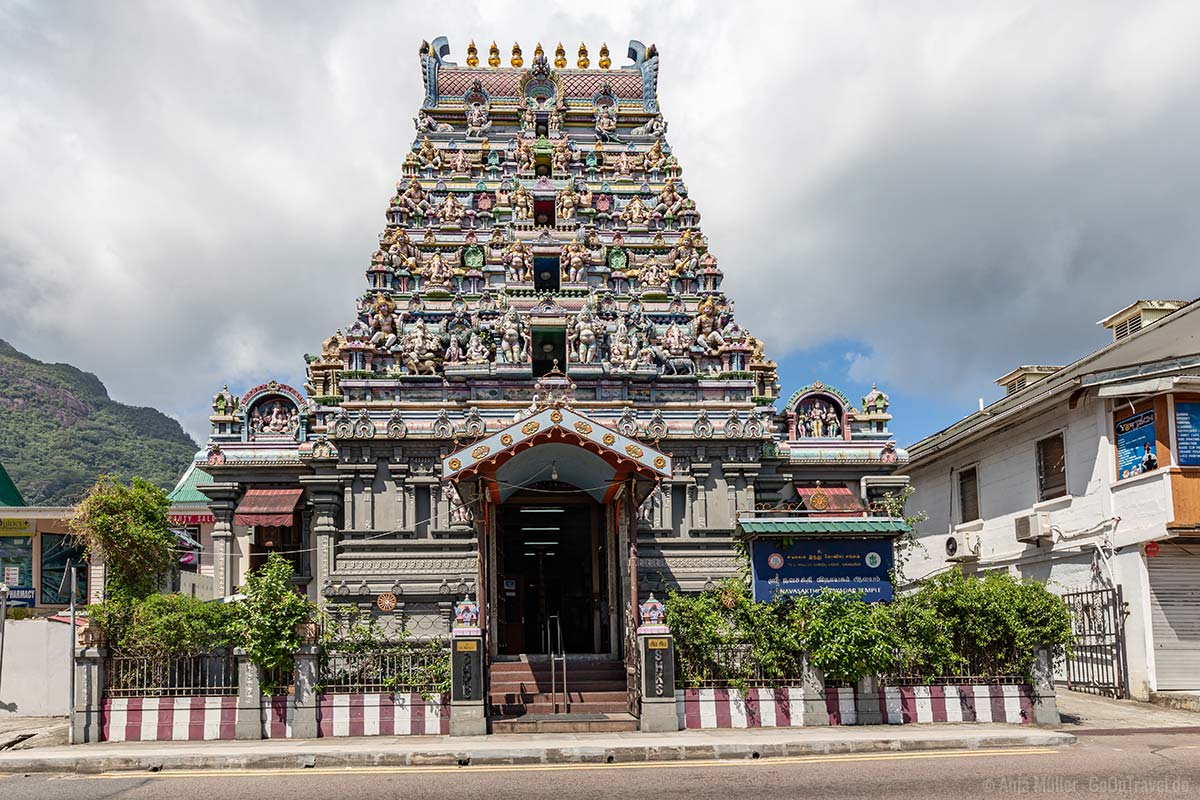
<point x="919" y="194"/>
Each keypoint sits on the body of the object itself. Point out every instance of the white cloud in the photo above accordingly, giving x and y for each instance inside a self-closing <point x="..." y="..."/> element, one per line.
<point x="192" y="192"/>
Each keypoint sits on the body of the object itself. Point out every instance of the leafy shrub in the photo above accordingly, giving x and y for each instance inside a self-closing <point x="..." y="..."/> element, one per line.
<point x="265" y="621"/>
<point x="128" y="526"/>
<point x="846" y="638"/>
<point x="164" y="625"/>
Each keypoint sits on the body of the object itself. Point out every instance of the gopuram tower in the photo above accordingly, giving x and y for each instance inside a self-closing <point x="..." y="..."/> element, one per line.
<point x="542" y="399"/>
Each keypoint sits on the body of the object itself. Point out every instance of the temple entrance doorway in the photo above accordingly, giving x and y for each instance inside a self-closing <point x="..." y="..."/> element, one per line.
<point x="552" y="559"/>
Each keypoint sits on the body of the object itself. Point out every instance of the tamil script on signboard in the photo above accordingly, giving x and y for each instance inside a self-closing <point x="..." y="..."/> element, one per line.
<point x="814" y="566"/>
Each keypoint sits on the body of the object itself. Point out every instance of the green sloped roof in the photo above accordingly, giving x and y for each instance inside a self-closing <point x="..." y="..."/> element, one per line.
<point x="185" y="492"/>
<point x="9" y="494"/>
<point x="815" y="526"/>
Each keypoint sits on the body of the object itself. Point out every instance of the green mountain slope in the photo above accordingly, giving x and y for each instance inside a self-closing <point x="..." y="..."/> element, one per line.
<point x="59" y="431"/>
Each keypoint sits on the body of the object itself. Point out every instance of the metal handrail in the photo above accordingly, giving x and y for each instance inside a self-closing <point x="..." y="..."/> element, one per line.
<point x="555" y="658"/>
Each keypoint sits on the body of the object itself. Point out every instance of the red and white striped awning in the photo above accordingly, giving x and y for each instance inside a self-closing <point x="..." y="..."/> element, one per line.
<point x="268" y="507"/>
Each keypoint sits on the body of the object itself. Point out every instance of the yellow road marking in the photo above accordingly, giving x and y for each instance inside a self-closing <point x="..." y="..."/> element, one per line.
<point x="691" y="764"/>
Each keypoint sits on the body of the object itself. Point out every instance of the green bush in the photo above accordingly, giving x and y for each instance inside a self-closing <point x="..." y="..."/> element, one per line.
<point x="265" y="620"/>
<point x="165" y="625"/>
<point x="950" y="625"/>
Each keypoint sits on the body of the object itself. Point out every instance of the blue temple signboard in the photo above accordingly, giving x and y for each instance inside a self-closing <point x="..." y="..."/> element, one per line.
<point x="1187" y="434"/>
<point x="810" y="566"/>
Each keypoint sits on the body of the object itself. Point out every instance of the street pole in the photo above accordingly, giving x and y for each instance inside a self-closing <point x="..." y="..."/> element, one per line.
<point x="72" y="638"/>
<point x="3" y="612"/>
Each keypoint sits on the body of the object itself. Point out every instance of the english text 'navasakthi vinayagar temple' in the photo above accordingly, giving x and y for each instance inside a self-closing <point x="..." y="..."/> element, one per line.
<point x="542" y="400"/>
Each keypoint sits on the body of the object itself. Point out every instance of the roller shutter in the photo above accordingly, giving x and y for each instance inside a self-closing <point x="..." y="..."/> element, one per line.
<point x="1175" y="615"/>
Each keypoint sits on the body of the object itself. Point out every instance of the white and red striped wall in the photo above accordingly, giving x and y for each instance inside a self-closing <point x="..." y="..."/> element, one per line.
<point x="167" y="719"/>
<point x="782" y="707"/>
<point x="382" y="715"/>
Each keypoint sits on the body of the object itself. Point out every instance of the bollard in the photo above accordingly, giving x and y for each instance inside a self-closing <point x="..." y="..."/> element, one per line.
<point x="656" y="649"/>
<point x="249" y="705"/>
<point x="89" y="694"/>
<point x="1045" y="702"/>
<point x="304" y="701"/>
<point x="468" y="695"/>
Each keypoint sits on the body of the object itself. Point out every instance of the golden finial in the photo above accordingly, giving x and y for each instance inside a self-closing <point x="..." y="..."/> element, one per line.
<point x="605" y="61"/>
<point x="583" y="59"/>
<point x="560" y="57"/>
<point x="494" y="56"/>
<point x="538" y="52"/>
<point x="472" y="55"/>
<point x="516" y="56"/>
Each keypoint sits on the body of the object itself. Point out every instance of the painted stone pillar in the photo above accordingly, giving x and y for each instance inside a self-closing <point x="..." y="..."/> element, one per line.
<point x="867" y="701"/>
<point x="1045" y="702"/>
<point x="304" y="721"/>
<point x="667" y="489"/>
<point x="812" y="695"/>
<point x="222" y="501"/>
<point x="468" y="684"/>
<point x="324" y="493"/>
<point x="656" y="648"/>
<point x="89" y="693"/>
<point x="249" y="724"/>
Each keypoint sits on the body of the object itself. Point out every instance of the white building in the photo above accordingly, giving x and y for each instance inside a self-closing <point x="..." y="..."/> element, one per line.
<point x="1086" y="476"/>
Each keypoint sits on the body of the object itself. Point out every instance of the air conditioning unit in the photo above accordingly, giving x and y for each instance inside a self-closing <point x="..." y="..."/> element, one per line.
<point x="1032" y="528"/>
<point x="959" y="549"/>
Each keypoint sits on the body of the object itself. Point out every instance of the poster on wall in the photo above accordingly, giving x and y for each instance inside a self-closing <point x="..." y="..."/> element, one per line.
<point x="811" y="566"/>
<point x="16" y="569"/>
<point x="1135" y="445"/>
<point x="1187" y="433"/>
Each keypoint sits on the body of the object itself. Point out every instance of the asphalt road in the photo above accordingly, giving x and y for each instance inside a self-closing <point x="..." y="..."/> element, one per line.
<point x="1148" y="764"/>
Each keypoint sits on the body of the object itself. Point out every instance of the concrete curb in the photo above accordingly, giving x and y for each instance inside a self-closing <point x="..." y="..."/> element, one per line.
<point x="332" y="758"/>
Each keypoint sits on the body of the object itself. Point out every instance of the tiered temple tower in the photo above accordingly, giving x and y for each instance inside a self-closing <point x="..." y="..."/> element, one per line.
<point x="542" y="398"/>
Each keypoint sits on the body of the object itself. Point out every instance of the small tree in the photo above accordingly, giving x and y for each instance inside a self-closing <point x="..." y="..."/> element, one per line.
<point x="127" y="526"/>
<point x="266" y="619"/>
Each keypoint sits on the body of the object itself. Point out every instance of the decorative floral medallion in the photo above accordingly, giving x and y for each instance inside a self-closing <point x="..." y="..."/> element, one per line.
<point x="506" y="439"/>
<point x="660" y="462"/>
<point x="454" y="463"/>
<point x="634" y="450"/>
<point x="386" y="602"/>
<point x="818" y="501"/>
<point x="556" y="416"/>
<point x="481" y="451"/>
<point x="583" y="427"/>
<point x="609" y="439"/>
<point x="530" y="427"/>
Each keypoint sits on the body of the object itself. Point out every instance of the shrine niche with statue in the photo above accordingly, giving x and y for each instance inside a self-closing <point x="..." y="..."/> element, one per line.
<point x="542" y="407"/>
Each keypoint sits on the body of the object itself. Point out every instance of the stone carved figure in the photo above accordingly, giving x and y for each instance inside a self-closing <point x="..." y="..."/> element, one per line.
<point x="413" y="201"/>
<point x="655" y="126"/>
<point x="462" y="163"/>
<point x="670" y="201"/>
<point x="623" y="165"/>
<point x="383" y="323"/>
<point x="274" y="419"/>
<point x="568" y="201"/>
<point x="524" y="155"/>
<point x="529" y="118"/>
<point x="521" y="200"/>
<point x="708" y="327"/>
<point x="451" y="211"/>
<point x="513" y="339"/>
<point x="554" y="124"/>
<point x="429" y="157"/>
<point x="683" y="258"/>
<point x="575" y="261"/>
<point x="635" y="213"/>
<point x="560" y="159"/>
<point x="419" y="350"/>
<point x="479" y="119"/>
<point x="584" y="336"/>
<point x="654" y="159"/>
<point x="477" y="352"/>
<point x="652" y="274"/>
<point x="454" y="352"/>
<point x="606" y="123"/>
<point x="427" y="124"/>
<point x="518" y="262"/>
<point x="438" y="271"/>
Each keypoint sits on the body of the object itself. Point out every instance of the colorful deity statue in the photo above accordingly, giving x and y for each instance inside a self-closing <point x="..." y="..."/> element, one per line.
<point x="585" y="336"/>
<point x="477" y="352"/>
<point x="479" y="120"/>
<point x="708" y="327"/>
<point x="454" y="352"/>
<point x="429" y="157"/>
<point x="462" y="163"/>
<point x="567" y="202"/>
<point x="635" y="213"/>
<point x="652" y="273"/>
<point x="518" y="262"/>
<point x="683" y="258"/>
<point x="655" y="126"/>
<point x="606" y="123"/>
<point x="623" y="165"/>
<point x="413" y="200"/>
<point x="427" y="124"/>
<point x="529" y="118"/>
<point x="438" y="270"/>
<point x="419" y="349"/>
<point x="513" y="338"/>
<point x="670" y="201"/>
<point x="451" y="211"/>
<point x="382" y="323"/>
<point x="655" y="159"/>
<point x="554" y="124"/>
<point x="560" y="159"/>
<point x="575" y="258"/>
<point x="522" y="203"/>
<point x="524" y="155"/>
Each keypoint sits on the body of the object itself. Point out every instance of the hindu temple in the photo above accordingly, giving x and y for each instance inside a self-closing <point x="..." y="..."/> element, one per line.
<point x="542" y="400"/>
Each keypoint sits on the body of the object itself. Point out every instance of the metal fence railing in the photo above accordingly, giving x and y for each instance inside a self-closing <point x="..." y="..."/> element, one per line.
<point x="423" y="669"/>
<point x="183" y="676"/>
<point x="733" y="665"/>
<point x="279" y="681"/>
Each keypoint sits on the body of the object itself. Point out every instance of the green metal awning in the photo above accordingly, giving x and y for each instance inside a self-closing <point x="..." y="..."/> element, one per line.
<point x="185" y="492"/>
<point x="9" y="494"/>
<point x="810" y="526"/>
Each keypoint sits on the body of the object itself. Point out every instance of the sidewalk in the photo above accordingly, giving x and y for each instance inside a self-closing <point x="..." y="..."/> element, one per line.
<point x="1088" y="714"/>
<point x="599" y="748"/>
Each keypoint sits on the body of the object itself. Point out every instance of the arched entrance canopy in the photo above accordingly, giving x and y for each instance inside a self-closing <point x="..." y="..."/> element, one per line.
<point x="556" y="441"/>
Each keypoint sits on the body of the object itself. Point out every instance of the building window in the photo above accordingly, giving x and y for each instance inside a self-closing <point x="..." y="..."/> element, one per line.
<point x="59" y="554"/>
<point x="968" y="494"/>
<point x="1052" y="467"/>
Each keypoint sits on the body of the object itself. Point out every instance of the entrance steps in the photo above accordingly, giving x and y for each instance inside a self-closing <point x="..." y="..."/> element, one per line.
<point x="521" y="700"/>
<point x="575" y="722"/>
